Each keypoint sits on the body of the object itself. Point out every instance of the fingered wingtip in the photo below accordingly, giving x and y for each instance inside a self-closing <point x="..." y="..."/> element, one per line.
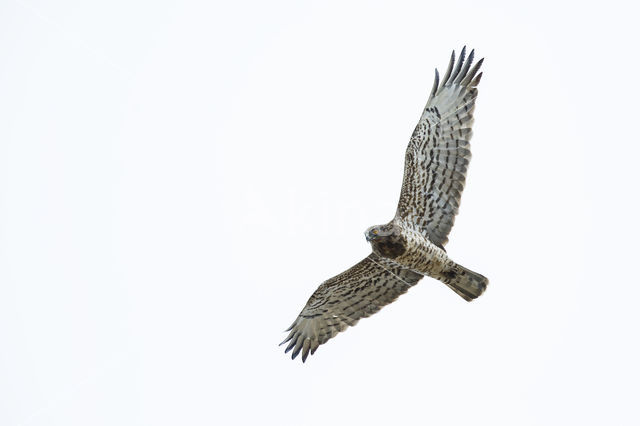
<point x="477" y="79"/>
<point x="291" y="346"/>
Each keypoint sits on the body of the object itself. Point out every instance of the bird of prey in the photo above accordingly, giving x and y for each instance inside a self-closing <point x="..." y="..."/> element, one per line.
<point x="411" y="245"/>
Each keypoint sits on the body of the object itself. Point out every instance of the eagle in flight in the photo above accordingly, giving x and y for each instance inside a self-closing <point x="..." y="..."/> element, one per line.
<point x="412" y="244"/>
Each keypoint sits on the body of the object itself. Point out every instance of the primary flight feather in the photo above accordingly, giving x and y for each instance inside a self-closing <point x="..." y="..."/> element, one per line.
<point x="412" y="244"/>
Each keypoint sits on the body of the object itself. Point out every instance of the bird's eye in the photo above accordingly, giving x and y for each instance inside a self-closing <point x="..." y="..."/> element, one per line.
<point x="374" y="231"/>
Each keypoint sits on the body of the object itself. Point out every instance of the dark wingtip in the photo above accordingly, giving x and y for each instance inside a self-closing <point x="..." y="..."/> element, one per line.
<point x="291" y="345"/>
<point x="476" y="80"/>
<point x="297" y="350"/>
<point x="436" y="83"/>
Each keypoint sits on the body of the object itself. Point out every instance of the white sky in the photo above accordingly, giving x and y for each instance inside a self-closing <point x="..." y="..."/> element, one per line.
<point x="177" y="178"/>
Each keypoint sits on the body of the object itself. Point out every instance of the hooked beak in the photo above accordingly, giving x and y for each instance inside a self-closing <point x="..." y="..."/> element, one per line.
<point x="370" y="235"/>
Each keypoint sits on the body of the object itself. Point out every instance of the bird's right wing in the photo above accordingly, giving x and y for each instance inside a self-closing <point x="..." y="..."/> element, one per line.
<point x="341" y="301"/>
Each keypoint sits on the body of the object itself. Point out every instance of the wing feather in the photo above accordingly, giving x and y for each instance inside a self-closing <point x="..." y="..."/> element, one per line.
<point x="459" y="66"/>
<point x="447" y="74"/>
<point x="343" y="300"/>
<point x="438" y="154"/>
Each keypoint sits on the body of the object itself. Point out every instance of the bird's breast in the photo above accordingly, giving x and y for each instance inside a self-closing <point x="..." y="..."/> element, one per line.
<point x="421" y="255"/>
<point x="391" y="249"/>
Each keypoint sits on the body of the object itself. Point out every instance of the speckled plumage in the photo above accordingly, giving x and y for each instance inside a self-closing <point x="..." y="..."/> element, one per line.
<point x="412" y="244"/>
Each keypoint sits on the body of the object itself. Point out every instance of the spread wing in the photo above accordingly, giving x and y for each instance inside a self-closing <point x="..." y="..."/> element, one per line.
<point x="438" y="153"/>
<point x="341" y="301"/>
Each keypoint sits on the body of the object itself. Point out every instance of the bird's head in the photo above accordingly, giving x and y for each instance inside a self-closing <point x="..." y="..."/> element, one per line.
<point x="386" y="240"/>
<point x="376" y="232"/>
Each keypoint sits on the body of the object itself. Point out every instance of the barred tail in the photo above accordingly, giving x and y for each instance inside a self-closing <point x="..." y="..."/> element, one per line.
<point x="466" y="283"/>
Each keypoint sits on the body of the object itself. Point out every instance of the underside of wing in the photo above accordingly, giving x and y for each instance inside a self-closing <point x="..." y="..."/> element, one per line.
<point x="438" y="154"/>
<point x="342" y="300"/>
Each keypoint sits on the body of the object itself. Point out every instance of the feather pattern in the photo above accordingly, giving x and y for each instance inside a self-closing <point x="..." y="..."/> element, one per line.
<point x="438" y="154"/>
<point x="342" y="300"/>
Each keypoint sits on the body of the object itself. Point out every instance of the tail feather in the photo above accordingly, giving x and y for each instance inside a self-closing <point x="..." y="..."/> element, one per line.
<point x="466" y="283"/>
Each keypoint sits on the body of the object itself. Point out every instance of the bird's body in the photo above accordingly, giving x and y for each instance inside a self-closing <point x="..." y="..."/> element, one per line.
<point x="411" y="245"/>
<point x="408" y="248"/>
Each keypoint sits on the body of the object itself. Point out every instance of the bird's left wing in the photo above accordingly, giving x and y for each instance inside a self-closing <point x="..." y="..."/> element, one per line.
<point x="438" y="153"/>
<point x="341" y="301"/>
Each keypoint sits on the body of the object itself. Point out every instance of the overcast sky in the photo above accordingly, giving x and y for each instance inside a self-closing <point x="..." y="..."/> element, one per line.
<point x="177" y="178"/>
